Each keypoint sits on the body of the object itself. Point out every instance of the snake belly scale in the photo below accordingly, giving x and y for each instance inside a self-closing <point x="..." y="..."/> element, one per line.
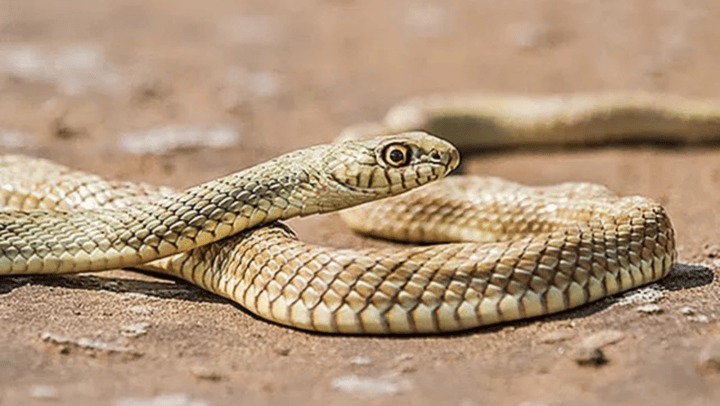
<point x="508" y="252"/>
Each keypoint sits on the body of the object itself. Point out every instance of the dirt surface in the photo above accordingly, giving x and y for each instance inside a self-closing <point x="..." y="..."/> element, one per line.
<point x="102" y="85"/>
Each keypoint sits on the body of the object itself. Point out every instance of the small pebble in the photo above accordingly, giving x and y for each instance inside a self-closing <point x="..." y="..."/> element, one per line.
<point x="404" y="363"/>
<point x="381" y="386"/>
<point x="406" y="367"/>
<point x="205" y="373"/>
<point x="592" y="357"/>
<point x="709" y="357"/>
<point x="282" y="351"/>
<point x="687" y="311"/>
<point x="43" y="392"/>
<point x="556" y="337"/>
<point x="65" y="128"/>
<point x="603" y="338"/>
<point x="360" y="361"/>
<point x="700" y="318"/>
<point x="650" y="309"/>
<point x="590" y="351"/>
<point x="134" y="330"/>
<point x="175" y="399"/>
<point x="66" y="343"/>
<point x="712" y="250"/>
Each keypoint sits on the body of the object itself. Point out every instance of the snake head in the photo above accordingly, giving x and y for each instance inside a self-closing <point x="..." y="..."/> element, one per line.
<point x="369" y="169"/>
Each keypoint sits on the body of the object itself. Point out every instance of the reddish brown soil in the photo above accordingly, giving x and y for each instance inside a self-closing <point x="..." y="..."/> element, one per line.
<point x="290" y="73"/>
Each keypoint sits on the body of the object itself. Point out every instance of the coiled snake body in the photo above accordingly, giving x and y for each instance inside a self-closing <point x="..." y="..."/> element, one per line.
<point x="509" y="251"/>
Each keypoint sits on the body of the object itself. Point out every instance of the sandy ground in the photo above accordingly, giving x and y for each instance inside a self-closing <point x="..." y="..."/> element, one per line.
<point x="98" y="85"/>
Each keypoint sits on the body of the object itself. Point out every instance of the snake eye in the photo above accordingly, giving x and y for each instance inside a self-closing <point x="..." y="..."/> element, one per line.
<point x="397" y="155"/>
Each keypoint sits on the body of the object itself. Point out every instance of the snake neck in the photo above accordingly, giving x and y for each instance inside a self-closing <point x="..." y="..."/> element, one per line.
<point x="309" y="181"/>
<point x="295" y="184"/>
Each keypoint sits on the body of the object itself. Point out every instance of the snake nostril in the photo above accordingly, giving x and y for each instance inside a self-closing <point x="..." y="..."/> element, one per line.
<point x="435" y="156"/>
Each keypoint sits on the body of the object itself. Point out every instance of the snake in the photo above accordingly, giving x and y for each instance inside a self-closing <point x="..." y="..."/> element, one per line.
<point x="488" y="250"/>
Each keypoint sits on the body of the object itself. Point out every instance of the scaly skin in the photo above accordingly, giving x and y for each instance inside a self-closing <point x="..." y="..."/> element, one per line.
<point x="570" y="244"/>
<point x="518" y="252"/>
<point x="308" y="181"/>
<point x="494" y="121"/>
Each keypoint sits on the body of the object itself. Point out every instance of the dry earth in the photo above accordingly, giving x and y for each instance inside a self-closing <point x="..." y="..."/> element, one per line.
<point x="123" y="88"/>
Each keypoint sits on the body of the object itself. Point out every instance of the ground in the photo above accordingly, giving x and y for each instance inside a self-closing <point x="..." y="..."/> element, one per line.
<point x="123" y="88"/>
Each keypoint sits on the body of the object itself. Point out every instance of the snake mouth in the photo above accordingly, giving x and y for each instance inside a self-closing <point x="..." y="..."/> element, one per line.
<point x="453" y="162"/>
<point x="446" y="156"/>
<point x="448" y="160"/>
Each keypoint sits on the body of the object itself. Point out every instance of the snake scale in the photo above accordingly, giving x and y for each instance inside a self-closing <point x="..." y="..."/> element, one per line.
<point x="494" y="250"/>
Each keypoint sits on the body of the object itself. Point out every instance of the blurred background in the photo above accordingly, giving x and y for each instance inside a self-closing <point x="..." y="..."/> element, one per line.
<point x="179" y="92"/>
<point x="98" y="74"/>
